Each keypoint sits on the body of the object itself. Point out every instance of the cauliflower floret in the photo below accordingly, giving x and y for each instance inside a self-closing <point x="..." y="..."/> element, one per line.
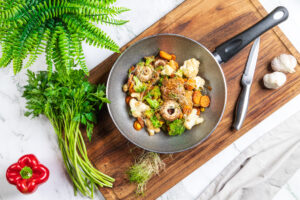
<point x="137" y="108"/>
<point x="200" y="82"/>
<point x="284" y="63"/>
<point x="192" y="119"/>
<point x="168" y="70"/>
<point x="190" y="68"/>
<point x="274" y="80"/>
<point x="150" y="128"/>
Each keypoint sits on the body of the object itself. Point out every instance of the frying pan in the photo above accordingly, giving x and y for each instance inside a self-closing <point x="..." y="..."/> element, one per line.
<point x="184" y="48"/>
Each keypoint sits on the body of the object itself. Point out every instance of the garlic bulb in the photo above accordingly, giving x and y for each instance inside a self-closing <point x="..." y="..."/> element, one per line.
<point x="274" y="80"/>
<point x="284" y="63"/>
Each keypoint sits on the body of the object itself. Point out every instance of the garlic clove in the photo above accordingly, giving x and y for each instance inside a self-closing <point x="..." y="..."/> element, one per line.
<point x="274" y="80"/>
<point x="284" y="63"/>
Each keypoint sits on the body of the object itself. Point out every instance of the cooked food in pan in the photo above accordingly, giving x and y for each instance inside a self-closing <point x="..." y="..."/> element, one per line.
<point x="163" y="96"/>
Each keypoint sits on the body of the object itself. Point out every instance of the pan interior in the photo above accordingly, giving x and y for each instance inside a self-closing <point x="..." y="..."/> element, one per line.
<point x="184" y="49"/>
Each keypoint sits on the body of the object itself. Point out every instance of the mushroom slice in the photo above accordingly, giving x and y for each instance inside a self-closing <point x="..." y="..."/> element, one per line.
<point x="144" y="73"/>
<point x="170" y="110"/>
<point x="160" y="62"/>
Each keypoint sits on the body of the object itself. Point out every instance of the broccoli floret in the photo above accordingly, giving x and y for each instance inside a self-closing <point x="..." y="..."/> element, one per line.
<point x="149" y="113"/>
<point x="176" y="127"/>
<point x="159" y="83"/>
<point x="139" y="85"/>
<point x="149" y="60"/>
<point x="141" y="63"/>
<point x="179" y="73"/>
<point x="155" y="122"/>
<point x="155" y="92"/>
<point x="153" y="103"/>
<point x="159" y="68"/>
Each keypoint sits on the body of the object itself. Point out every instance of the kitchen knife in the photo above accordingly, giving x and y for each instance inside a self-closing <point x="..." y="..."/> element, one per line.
<point x="246" y="82"/>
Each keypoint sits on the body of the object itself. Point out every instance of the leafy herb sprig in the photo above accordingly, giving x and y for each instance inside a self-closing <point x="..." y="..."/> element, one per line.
<point x="147" y="165"/>
<point x="56" y="27"/>
<point x="68" y="102"/>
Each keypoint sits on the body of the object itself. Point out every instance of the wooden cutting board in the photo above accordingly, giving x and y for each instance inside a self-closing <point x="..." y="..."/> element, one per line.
<point x="210" y="23"/>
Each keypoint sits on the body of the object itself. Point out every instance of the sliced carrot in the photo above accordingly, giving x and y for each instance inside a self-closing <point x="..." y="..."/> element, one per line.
<point x="130" y="79"/>
<point x="165" y="55"/>
<point x="173" y="57"/>
<point x="141" y="121"/>
<point x="198" y="111"/>
<point x="197" y="98"/>
<point x="131" y="90"/>
<point x="137" y="126"/>
<point x="127" y="99"/>
<point x="205" y="101"/>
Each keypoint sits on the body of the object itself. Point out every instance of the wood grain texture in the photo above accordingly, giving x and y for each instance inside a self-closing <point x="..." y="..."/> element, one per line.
<point x="210" y="23"/>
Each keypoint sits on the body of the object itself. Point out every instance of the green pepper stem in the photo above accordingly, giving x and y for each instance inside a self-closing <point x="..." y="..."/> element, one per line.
<point x="26" y="172"/>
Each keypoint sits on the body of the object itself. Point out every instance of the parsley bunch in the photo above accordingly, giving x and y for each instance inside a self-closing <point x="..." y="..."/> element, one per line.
<point x="69" y="102"/>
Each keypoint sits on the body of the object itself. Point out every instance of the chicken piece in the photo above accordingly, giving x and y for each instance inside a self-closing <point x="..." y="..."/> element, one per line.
<point x="172" y="89"/>
<point x="150" y="128"/>
<point x="170" y="110"/>
<point x="137" y="107"/>
<point x="192" y="119"/>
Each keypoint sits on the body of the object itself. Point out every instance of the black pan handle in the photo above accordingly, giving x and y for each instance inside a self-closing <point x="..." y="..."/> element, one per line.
<point x="232" y="46"/>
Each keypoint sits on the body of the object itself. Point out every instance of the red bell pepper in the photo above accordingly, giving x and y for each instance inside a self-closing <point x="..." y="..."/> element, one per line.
<point x="27" y="174"/>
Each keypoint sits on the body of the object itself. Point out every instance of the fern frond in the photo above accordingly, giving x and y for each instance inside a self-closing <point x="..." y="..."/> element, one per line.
<point x="93" y="35"/>
<point x="65" y="48"/>
<point x="94" y="2"/>
<point x="77" y="47"/>
<point x="105" y="19"/>
<point x="56" y="27"/>
<point x="39" y="46"/>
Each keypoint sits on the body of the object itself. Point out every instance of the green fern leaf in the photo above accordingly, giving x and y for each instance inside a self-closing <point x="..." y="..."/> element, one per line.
<point x="57" y="27"/>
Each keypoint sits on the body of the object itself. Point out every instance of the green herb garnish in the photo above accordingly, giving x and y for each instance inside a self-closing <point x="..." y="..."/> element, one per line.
<point x="139" y="85"/>
<point x="69" y="102"/>
<point x="176" y="127"/>
<point x="149" y="60"/>
<point x="153" y="103"/>
<point x="155" y="122"/>
<point x="144" y="168"/>
<point x="149" y="113"/>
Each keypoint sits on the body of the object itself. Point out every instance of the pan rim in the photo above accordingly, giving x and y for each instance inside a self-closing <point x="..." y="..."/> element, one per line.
<point x="222" y="74"/>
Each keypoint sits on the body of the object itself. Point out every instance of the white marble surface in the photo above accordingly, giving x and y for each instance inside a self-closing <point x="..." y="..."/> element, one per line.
<point x="21" y="135"/>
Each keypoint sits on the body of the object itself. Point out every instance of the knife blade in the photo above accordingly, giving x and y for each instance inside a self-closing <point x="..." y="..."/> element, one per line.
<point x="247" y="78"/>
